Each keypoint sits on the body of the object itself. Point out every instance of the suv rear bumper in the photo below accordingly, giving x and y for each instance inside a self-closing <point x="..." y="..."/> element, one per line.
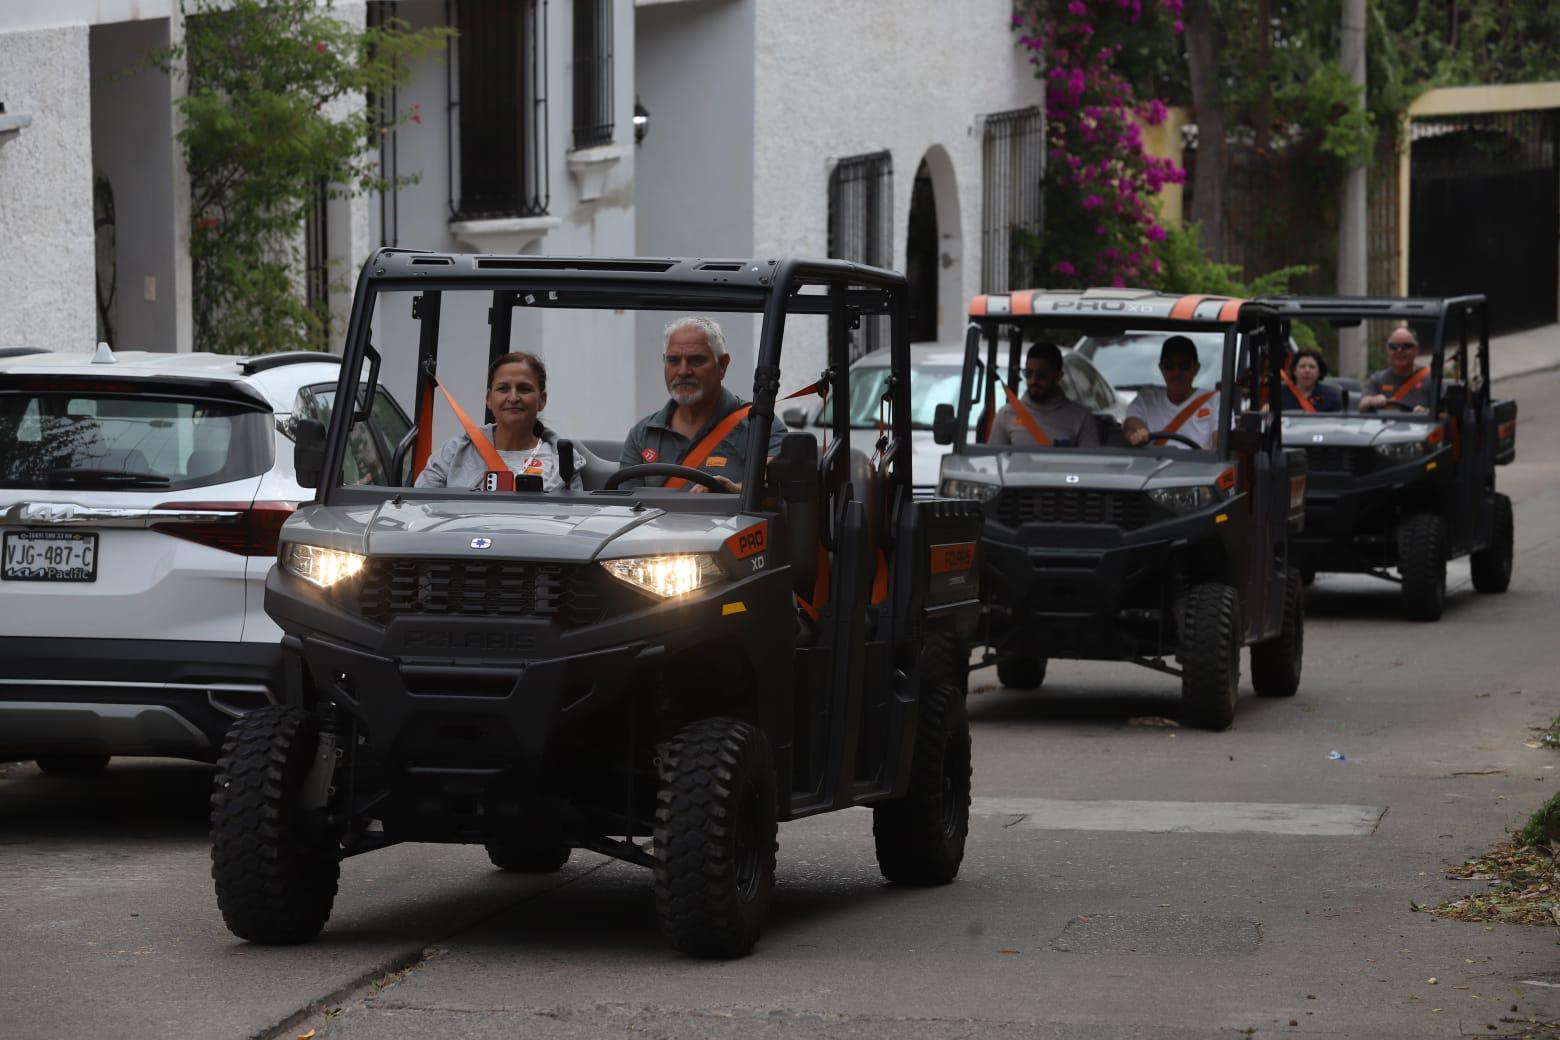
<point x="127" y="696"/>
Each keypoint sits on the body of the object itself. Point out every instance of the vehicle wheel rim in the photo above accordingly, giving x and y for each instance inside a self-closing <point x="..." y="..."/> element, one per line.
<point x="749" y="854"/>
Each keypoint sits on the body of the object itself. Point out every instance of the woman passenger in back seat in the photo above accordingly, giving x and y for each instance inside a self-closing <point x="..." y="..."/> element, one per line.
<point x="516" y="395"/>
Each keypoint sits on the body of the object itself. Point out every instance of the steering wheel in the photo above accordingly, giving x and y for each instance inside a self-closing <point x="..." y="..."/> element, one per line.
<point x="398" y="459"/>
<point x="1401" y="406"/>
<point x="1167" y="435"/>
<point x="664" y="469"/>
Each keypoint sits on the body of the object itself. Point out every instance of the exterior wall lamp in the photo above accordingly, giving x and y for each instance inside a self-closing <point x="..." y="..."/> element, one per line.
<point x="641" y="121"/>
<point x="12" y="124"/>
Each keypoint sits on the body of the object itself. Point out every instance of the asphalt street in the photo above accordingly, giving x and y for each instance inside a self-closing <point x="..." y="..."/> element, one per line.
<point x="1121" y="880"/>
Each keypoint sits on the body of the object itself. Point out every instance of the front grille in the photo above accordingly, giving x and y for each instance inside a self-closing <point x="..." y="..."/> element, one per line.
<point x="1337" y="460"/>
<point x="390" y="588"/>
<point x="1127" y="510"/>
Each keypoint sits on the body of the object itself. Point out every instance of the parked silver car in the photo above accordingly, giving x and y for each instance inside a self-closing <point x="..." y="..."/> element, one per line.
<point x="935" y="372"/>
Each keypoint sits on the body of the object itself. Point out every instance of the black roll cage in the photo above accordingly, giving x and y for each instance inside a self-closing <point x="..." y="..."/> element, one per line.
<point x="774" y="288"/>
<point x="1253" y="316"/>
<point x="1424" y="309"/>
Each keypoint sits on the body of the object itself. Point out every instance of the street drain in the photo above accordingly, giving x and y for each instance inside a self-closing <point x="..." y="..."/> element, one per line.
<point x="1164" y="934"/>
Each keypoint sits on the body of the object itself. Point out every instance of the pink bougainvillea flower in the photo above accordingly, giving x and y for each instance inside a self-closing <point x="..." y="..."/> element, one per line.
<point x="1062" y="267"/>
<point x="320" y="46"/>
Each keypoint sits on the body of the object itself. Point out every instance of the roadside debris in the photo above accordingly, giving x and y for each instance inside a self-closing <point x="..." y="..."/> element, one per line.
<point x="1335" y="756"/>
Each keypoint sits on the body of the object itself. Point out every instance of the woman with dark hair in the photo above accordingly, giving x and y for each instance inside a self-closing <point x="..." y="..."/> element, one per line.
<point x="1303" y="385"/>
<point x="516" y="395"/>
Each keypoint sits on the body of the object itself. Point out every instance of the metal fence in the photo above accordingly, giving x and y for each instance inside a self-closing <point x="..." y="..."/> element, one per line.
<point x="498" y="108"/>
<point x="861" y="226"/>
<point x="593" y="120"/>
<point x="1012" y="199"/>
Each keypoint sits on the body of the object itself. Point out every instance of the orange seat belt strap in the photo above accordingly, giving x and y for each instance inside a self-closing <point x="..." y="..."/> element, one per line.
<point x="479" y="439"/>
<point x="701" y="451"/>
<point x="1305" y="402"/>
<point x="820" y="595"/>
<point x="1413" y="381"/>
<point x="1187" y="412"/>
<point x="880" y="579"/>
<point x="1026" y="420"/>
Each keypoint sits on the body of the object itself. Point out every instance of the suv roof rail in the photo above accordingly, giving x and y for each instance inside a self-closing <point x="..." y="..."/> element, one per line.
<point x="6" y="352"/>
<point x="266" y="362"/>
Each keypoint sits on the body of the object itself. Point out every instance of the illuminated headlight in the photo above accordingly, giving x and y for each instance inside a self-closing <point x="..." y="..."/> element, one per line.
<point x="318" y="565"/>
<point x="953" y="487"/>
<point x="666" y="576"/>
<point x="1183" y="499"/>
<point x="1402" y="451"/>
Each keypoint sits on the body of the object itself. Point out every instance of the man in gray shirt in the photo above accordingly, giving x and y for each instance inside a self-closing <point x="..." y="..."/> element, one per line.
<point x="1067" y="424"/>
<point x="695" y="356"/>
<point x="1401" y="380"/>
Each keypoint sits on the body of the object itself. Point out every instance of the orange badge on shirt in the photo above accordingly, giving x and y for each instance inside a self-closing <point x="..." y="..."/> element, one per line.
<point x="1203" y="413"/>
<point x="715" y="460"/>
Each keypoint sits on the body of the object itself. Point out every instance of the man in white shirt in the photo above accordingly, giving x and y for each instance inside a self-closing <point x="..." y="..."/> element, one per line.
<point x="1177" y="407"/>
<point x="1063" y="422"/>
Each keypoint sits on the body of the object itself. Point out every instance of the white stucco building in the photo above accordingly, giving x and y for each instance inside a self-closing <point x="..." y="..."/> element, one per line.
<point x="899" y="132"/>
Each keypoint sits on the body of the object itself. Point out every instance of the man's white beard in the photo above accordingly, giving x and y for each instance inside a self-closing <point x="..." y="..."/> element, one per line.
<point x="686" y="395"/>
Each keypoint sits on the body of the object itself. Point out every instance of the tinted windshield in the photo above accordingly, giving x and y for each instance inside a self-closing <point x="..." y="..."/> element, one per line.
<point x="930" y="386"/>
<point x="67" y="440"/>
<point x="1132" y="360"/>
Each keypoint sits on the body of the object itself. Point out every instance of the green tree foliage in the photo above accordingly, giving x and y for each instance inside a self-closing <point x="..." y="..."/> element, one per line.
<point x="274" y="112"/>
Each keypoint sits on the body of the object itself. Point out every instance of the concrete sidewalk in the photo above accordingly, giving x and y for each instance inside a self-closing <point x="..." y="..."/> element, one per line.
<point x="1519" y="353"/>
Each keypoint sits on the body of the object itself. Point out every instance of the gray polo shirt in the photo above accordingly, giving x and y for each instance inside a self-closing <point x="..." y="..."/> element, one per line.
<point x="1385" y="382"/>
<point x="653" y="440"/>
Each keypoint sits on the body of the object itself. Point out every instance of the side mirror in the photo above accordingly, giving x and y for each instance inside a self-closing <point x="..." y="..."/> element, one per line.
<point x="943" y="421"/>
<point x="308" y="451"/>
<point x="794" y="418"/>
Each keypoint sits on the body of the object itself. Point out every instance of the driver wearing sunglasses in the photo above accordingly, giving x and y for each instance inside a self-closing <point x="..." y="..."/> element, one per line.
<point x="1400" y="381"/>
<point x="1165" y="408"/>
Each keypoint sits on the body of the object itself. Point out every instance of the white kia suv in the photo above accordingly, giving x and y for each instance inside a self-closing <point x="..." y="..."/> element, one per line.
<point x="140" y="499"/>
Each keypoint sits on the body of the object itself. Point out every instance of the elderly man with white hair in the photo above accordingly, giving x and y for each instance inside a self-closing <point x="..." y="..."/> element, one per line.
<point x="699" y="425"/>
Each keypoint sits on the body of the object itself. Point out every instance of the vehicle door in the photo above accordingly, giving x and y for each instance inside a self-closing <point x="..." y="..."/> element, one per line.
<point x="1262" y="471"/>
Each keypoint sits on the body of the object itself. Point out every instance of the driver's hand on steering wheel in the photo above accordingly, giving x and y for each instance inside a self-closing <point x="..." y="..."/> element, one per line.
<point x="1371" y="403"/>
<point x="725" y="482"/>
<point x="1137" y="436"/>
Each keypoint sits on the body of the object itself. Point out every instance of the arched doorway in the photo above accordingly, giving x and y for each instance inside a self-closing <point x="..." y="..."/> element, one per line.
<point x="934" y="252"/>
<point x="921" y="257"/>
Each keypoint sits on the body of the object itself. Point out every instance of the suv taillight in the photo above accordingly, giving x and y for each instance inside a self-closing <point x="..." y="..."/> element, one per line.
<point x="252" y="531"/>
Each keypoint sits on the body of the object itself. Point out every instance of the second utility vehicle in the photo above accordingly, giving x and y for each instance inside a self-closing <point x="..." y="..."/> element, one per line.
<point x="1169" y="555"/>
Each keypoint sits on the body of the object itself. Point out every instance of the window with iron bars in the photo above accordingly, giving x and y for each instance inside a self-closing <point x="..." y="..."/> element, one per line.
<point x="498" y="110"/>
<point x="1012" y="202"/>
<point x="861" y="222"/>
<point x="384" y="106"/>
<point x="592" y="72"/>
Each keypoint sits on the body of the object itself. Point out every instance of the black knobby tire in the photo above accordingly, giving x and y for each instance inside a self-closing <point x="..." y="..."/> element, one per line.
<point x="275" y="864"/>
<point x="513" y="856"/>
<point x="1275" y="663"/>
<point x="715" y="831"/>
<point x="1021" y="671"/>
<point x="72" y="765"/>
<point x="945" y="658"/>
<point x="1210" y="655"/>
<point x="1491" y="565"/>
<point x="920" y="837"/>
<point x="1421" y="548"/>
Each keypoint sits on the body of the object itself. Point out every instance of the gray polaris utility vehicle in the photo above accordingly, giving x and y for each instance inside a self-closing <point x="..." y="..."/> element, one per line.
<point x="1169" y="555"/>
<point x="539" y="672"/>
<point x="1406" y="489"/>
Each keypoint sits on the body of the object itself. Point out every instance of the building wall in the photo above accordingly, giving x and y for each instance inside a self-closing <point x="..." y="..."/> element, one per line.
<point x="582" y="403"/>
<point x="694" y="184"/>
<point x="132" y="146"/>
<point x="46" y="191"/>
<point x="835" y="80"/>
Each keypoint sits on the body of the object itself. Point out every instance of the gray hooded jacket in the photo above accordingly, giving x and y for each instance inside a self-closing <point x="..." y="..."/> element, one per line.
<point x="460" y="465"/>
